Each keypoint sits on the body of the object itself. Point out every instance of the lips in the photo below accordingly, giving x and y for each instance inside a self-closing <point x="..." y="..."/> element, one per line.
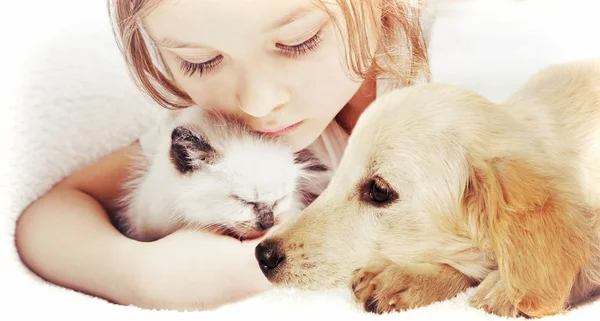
<point x="280" y="130"/>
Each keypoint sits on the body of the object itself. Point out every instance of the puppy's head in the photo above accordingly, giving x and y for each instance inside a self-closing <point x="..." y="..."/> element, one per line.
<point x="420" y="162"/>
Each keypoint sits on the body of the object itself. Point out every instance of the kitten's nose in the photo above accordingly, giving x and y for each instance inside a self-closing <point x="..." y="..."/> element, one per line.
<point x="269" y="256"/>
<point x="265" y="218"/>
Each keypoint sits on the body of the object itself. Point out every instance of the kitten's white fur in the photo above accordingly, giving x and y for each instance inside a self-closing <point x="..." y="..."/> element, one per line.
<point x="216" y="195"/>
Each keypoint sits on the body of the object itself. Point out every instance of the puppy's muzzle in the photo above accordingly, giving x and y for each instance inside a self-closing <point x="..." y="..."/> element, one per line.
<point x="269" y="256"/>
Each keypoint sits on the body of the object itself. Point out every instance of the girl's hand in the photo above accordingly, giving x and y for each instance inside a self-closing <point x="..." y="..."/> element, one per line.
<point x="190" y="270"/>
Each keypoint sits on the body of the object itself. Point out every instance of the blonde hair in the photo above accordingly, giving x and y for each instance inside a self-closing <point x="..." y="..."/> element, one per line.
<point x="401" y="52"/>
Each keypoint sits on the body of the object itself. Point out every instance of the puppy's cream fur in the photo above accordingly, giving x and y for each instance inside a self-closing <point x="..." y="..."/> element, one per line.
<point x="440" y="190"/>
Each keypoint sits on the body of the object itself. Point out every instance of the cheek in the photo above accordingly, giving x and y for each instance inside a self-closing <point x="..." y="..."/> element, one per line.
<point x="215" y="90"/>
<point x="325" y="95"/>
<point x="322" y="85"/>
<point x="231" y="214"/>
<point x="437" y="199"/>
<point x="285" y="205"/>
<point x="403" y="220"/>
<point x="239" y="214"/>
<point x="210" y="92"/>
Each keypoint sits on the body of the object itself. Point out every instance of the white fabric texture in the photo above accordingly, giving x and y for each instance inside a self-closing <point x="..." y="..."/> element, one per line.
<point x="67" y="100"/>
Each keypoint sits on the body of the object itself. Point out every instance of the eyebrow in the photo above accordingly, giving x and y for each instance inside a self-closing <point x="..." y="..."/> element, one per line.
<point x="294" y="15"/>
<point x="167" y="42"/>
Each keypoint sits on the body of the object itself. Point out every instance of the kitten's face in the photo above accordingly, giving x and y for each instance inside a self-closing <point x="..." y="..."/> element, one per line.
<point x="242" y="187"/>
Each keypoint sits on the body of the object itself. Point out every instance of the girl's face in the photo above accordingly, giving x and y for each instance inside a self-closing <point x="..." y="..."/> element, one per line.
<point x="278" y="64"/>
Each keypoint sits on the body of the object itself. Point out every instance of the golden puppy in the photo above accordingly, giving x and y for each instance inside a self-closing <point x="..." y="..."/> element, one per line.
<point x="440" y="190"/>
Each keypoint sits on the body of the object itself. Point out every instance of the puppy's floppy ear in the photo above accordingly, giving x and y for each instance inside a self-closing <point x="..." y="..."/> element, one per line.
<point x="189" y="151"/>
<point x="535" y="224"/>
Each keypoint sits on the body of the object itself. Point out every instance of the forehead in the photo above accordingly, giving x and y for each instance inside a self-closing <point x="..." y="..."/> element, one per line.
<point x="420" y="115"/>
<point x="410" y="133"/>
<point x="202" y="19"/>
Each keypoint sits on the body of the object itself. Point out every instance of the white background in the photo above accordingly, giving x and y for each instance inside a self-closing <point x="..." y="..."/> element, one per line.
<point x="66" y="100"/>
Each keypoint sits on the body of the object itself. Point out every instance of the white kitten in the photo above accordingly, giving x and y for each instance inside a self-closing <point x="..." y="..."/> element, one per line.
<point x="211" y="172"/>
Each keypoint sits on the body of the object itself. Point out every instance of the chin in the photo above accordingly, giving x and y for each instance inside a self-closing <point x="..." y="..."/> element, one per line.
<point x="245" y="235"/>
<point x="242" y="234"/>
<point x="305" y="135"/>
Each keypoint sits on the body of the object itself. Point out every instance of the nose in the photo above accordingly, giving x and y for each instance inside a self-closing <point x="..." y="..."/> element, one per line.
<point x="260" y="93"/>
<point x="266" y="220"/>
<point x="269" y="256"/>
<point x="264" y="216"/>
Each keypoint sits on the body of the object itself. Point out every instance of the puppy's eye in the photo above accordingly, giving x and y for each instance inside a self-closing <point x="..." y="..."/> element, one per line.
<point x="378" y="192"/>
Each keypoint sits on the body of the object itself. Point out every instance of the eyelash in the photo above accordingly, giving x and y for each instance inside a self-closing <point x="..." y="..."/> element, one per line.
<point x="298" y="50"/>
<point x="190" y="68"/>
<point x="312" y="44"/>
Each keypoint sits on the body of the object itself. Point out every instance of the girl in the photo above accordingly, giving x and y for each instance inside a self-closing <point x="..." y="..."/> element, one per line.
<point x="303" y="69"/>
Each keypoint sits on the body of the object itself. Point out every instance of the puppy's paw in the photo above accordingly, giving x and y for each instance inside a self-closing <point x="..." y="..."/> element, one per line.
<point x="386" y="287"/>
<point x="491" y="296"/>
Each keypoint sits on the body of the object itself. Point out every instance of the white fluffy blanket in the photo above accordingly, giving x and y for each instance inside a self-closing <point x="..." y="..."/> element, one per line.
<point x="66" y="100"/>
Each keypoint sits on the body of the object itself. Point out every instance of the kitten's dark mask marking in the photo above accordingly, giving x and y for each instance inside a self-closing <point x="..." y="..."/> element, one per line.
<point x="264" y="215"/>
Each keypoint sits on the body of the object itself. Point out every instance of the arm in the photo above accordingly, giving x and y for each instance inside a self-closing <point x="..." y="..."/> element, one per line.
<point x="66" y="238"/>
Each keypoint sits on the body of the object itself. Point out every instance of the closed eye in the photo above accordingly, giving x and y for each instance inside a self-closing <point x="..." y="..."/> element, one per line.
<point x="241" y="199"/>
<point x="302" y="48"/>
<point x="253" y="203"/>
<point x="190" y="68"/>
<point x="290" y="51"/>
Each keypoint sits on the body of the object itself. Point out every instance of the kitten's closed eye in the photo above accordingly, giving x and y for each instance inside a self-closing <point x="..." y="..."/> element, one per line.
<point x="258" y="203"/>
<point x="264" y="212"/>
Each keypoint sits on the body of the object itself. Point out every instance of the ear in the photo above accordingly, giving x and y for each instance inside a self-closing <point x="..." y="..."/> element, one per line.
<point x="535" y="224"/>
<point x="189" y="151"/>
<point x="309" y="162"/>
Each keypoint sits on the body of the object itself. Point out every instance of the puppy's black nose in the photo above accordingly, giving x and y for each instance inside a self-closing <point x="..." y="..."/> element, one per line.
<point x="269" y="256"/>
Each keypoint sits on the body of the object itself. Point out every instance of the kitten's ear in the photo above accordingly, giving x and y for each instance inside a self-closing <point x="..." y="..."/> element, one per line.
<point x="309" y="162"/>
<point x="189" y="151"/>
